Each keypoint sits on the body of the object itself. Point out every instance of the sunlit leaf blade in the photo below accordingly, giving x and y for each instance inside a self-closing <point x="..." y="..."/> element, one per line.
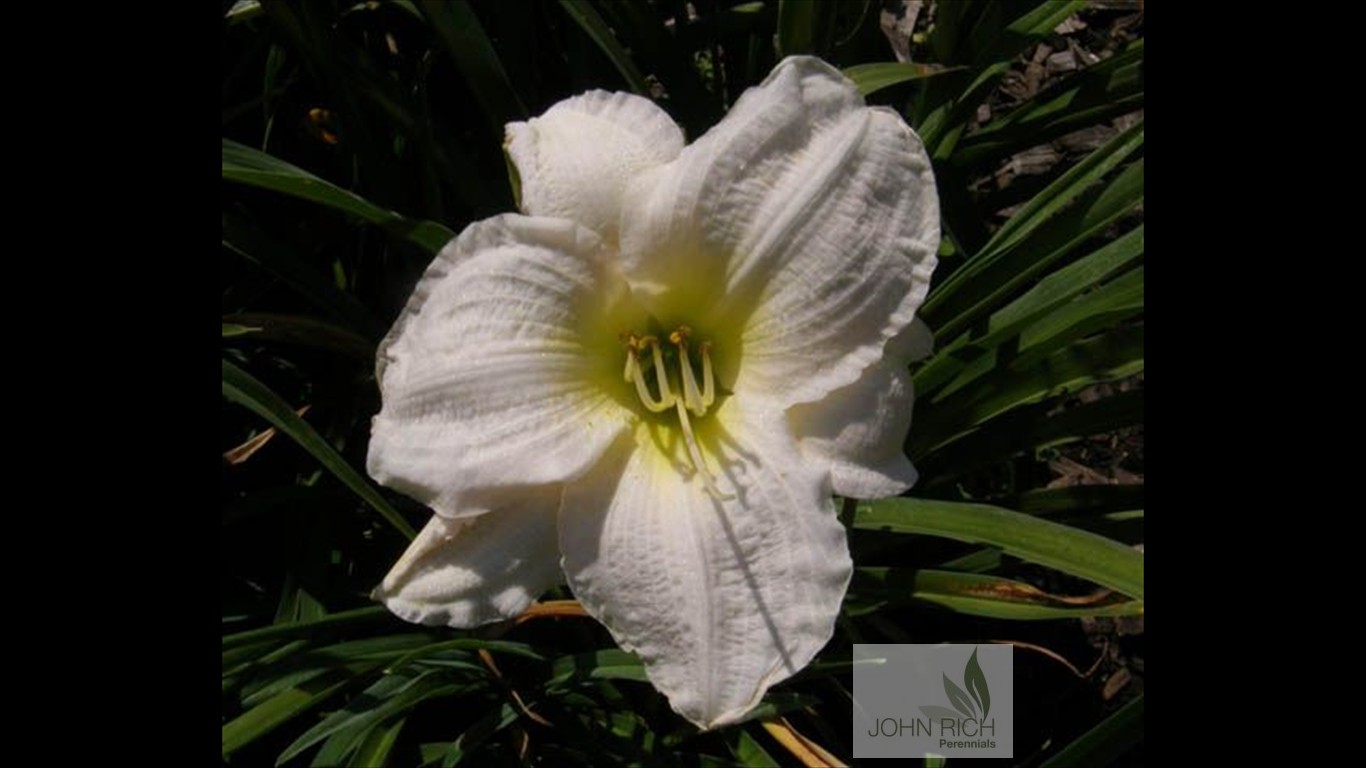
<point x="976" y="33"/>
<point x="234" y="329"/>
<point x="870" y="78"/>
<point x="1100" y="92"/>
<point x="385" y="698"/>
<point x="1105" y="307"/>
<point x="276" y="711"/>
<point x="265" y="686"/>
<point x="1039" y="210"/>
<point x="1029" y="27"/>
<point x="378" y="744"/>
<point x="244" y="165"/>
<point x="1065" y="189"/>
<point x="386" y="648"/>
<point x="1104" y="743"/>
<point x="1112" y="356"/>
<point x="975" y="594"/>
<point x="775" y="704"/>
<point x="610" y="664"/>
<point x="242" y="388"/>
<point x="748" y="751"/>
<point x="1018" y="265"/>
<point x="588" y="19"/>
<point x="1061" y="547"/>
<point x="464" y="40"/>
<point x="279" y="631"/>
<point x="471" y="644"/>
<point x="976" y="683"/>
<point x="243" y="10"/>
<point x="1051" y="293"/>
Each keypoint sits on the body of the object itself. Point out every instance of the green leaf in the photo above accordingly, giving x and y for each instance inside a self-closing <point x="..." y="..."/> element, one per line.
<point x="263" y="689"/>
<point x="305" y="331"/>
<point x="1080" y="499"/>
<point x="1065" y="189"/>
<point x="243" y="10"/>
<point x="805" y="26"/>
<point x="242" y="388"/>
<point x="1041" y="20"/>
<point x="388" y="696"/>
<point x="1044" y="206"/>
<point x="383" y="648"/>
<point x="608" y="664"/>
<point x="1100" y="92"/>
<point x="1066" y="549"/>
<point x="1104" y="307"/>
<point x="870" y="78"/>
<point x="1031" y="428"/>
<point x="244" y="165"/>
<point x="233" y="329"/>
<point x="1051" y="293"/>
<point x="748" y="751"/>
<point x="973" y="594"/>
<point x="243" y="238"/>
<point x="469" y="644"/>
<point x="976" y="682"/>
<point x="464" y="40"/>
<point x="1112" y="356"/>
<point x="278" y="631"/>
<point x="775" y="704"/>
<point x="279" y="709"/>
<point x="1106" y="742"/>
<point x="477" y="734"/>
<point x="378" y="745"/>
<point x="592" y="23"/>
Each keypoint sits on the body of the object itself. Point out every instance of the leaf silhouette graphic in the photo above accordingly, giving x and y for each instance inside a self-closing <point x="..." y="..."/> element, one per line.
<point x="958" y="699"/>
<point x="976" y="683"/>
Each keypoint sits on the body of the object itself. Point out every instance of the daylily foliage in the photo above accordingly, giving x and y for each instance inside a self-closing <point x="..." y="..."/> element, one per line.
<point x="651" y="384"/>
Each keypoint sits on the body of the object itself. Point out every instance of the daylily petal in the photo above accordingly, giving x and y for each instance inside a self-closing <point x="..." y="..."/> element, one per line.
<point x="463" y="573"/>
<point x="575" y="160"/>
<point x="490" y="378"/>
<point x="720" y="599"/>
<point x="805" y="218"/>
<point x="859" y="430"/>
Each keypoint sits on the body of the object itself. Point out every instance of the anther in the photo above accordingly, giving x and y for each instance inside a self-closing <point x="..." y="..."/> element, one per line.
<point x="690" y="392"/>
<point x="694" y="399"/>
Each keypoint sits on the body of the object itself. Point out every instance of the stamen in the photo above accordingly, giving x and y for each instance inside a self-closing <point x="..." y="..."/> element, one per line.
<point x="708" y="381"/>
<point x="694" y="399"/>
<point x="665" y="394"/>
<point x="632" y="366"/>
<point x="695" y="454"/>
<point x="690" y="394"/>
<point x="637" y="376"/>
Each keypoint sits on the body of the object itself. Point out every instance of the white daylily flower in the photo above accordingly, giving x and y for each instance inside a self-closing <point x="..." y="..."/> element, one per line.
<point x="652" y="385"/>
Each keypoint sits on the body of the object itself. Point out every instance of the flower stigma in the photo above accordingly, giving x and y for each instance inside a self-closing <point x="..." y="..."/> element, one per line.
<point x="669" y="383"/>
